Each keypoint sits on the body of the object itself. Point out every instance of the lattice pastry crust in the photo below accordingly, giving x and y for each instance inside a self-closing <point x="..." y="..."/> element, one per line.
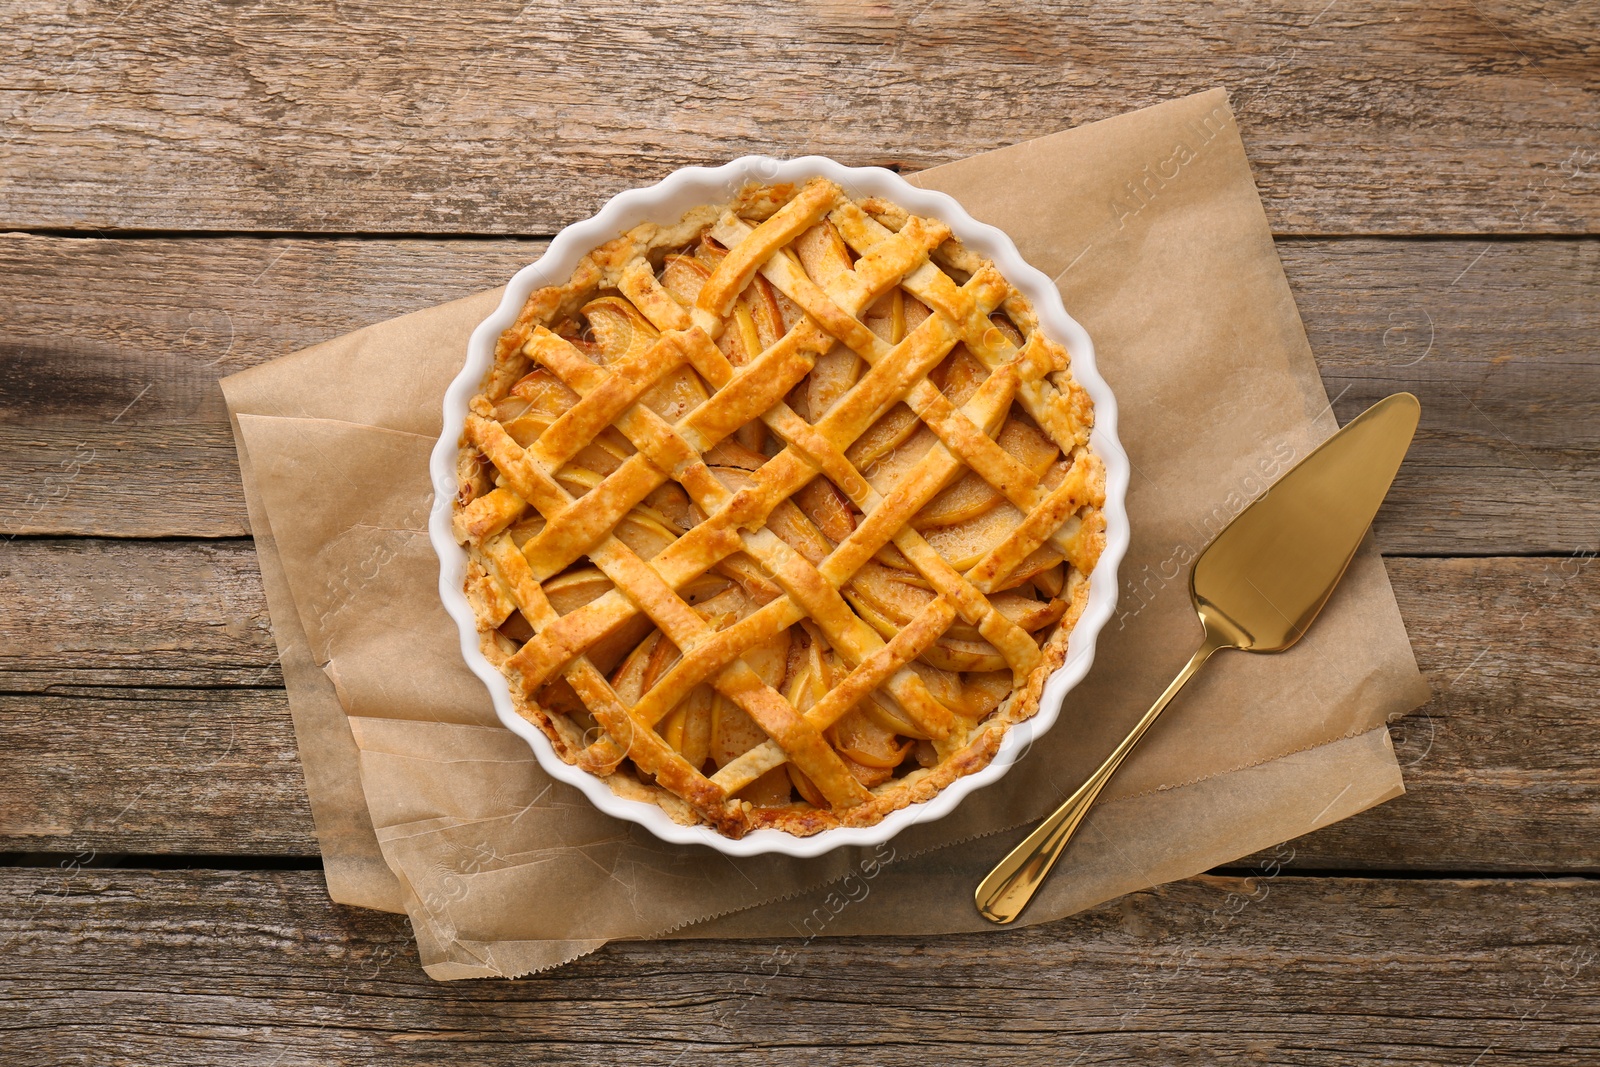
<point x="781" y="515"/>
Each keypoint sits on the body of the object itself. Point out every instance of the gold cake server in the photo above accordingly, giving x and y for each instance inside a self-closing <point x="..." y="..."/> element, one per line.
<point x="1257" y="588"/>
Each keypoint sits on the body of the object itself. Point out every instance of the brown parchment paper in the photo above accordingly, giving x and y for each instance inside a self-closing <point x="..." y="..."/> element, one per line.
<point x="1152" y="228"/>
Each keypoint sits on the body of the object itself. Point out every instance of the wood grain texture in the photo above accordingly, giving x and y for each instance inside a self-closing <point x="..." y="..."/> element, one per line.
<point x="114" y="425"/>
<point x="147" y="770"/>
<point x="1499" y="342"/>
<point x="1502" y="766"/>
<point x="514" y="118"/>
<point x="108" y="721"/>
<point x="113" y="420"/>
<point x="190" y="967"/>
<point x="141" y="703"/>
<point x="155" y="615"/>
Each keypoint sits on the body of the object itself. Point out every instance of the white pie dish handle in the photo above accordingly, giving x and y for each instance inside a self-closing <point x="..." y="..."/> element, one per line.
<point x="666" y="202"/>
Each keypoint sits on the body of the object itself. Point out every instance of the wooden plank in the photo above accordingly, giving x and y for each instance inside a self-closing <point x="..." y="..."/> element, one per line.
<point x="1501" y="764"/>
<point x="114" y="423"/>
<point x="202" y="967"/>
<point x="521" y="120"/>
<point x="111" y="769"/>
<point x="1507" y="369"/>
<point x="115" y="426"/>
<point x="159" y="615"/>
<point x="141" y="703"/>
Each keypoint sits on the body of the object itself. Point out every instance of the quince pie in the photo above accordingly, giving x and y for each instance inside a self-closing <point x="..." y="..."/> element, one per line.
<point x="779" y="515"/>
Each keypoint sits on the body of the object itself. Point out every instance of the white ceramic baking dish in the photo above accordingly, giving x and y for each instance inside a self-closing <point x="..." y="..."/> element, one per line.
<point x="666" y="202"/>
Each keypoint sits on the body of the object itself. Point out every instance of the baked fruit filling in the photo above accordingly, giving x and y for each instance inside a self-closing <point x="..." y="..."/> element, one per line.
<point x="779" y="515"/>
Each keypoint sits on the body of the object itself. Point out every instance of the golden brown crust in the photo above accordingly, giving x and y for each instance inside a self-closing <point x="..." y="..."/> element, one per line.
<point x="976" y="755"/>
<point x="677" y="570"/>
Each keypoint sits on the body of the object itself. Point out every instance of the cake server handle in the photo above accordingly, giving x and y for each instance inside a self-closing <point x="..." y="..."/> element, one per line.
<point x="1008" y="888"/>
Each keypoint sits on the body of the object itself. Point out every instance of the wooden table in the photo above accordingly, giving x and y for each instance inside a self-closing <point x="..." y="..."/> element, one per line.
<point x="193" y="188"/>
